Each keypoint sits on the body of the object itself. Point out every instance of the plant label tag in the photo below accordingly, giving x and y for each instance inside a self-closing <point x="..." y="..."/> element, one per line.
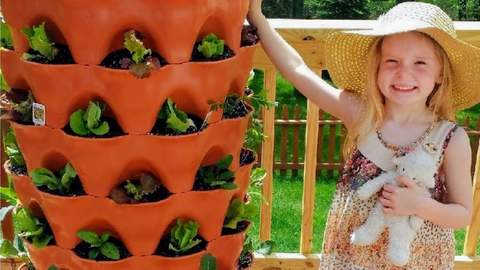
<point x="205" y="122"/>
<point x="38" y="114"/>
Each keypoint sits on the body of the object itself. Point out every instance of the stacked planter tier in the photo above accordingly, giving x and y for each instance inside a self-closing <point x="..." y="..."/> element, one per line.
<point x="92" y="29"/>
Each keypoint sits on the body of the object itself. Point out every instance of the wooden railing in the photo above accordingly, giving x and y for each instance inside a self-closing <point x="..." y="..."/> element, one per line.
<point x="308" y="38"/>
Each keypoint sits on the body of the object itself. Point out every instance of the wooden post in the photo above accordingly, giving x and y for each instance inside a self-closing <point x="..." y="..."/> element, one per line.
<point x="268" y="156"/>
<point x="309" y="175"/>
<point x="471" y="237"/>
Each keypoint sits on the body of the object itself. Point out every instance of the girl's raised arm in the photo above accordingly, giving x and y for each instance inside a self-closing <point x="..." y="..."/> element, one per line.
<point x="342" y="104"/>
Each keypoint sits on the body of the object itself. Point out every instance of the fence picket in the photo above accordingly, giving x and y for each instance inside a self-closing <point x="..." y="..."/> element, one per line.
<point x="331" y="144"/>
<point x="296" y="138"/>
<point x="321" y="134"/>
<point x="284" y="139"/>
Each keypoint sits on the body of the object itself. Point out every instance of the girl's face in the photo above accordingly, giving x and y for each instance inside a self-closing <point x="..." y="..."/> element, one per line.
<point x="409" y="68"/>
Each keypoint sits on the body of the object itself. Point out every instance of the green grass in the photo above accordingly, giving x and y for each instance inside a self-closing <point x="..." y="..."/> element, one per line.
<point x="288" y="189"/>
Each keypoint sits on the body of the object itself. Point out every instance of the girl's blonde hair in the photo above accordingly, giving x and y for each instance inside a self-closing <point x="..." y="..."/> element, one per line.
<point x="439" y="101"/>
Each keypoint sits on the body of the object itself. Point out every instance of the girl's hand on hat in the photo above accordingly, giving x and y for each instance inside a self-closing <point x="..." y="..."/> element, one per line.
<point x="402" y="201"/>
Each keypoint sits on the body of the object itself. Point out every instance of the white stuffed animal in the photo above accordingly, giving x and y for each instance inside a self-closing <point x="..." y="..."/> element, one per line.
<point x="420" y="166"/>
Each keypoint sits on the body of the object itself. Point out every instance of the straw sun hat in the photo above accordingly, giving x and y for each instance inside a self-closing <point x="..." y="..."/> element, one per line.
<point x="346" y="51"/>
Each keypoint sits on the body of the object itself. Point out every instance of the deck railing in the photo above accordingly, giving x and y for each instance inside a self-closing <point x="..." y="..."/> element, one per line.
<point x="308" y="38"/>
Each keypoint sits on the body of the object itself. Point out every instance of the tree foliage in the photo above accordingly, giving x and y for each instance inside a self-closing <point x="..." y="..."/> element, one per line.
<point x="466" y="10"/>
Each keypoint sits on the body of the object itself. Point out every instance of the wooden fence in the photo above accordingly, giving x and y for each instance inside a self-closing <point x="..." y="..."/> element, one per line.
<point x="331" y="136"/>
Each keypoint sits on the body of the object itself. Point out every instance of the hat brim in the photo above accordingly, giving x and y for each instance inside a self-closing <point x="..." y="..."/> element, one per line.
<point x="347" y="52"/>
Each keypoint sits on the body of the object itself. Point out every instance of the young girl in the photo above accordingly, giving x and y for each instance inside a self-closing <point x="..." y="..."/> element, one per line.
<point x="400" y="84"/>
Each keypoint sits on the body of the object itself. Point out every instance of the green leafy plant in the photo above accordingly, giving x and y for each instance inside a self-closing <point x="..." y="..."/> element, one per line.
<point x="143" y="62"/>
<point x="211" y="46"/>
<point x="137" y="189"/>
<point x="176" y="119"/>
<point x="5" y="36"/>
<point x="32" y="228"/>
<point x="99" y="244"/>
<point x="9" y="250"/>
<point x="265" y="247"/>
<point x="182" y="236"/>
<point x="257" y="176"/>
<point x="86" y="123"/>
<point x="39" y="40"/>
<point x="254" y="135"/>
<point x="208" y="262"/>
<point x="13" y="150"/>
<point x="218" y="175"/>
<point x="239" y="211"/>
<point x="44" y="177"/>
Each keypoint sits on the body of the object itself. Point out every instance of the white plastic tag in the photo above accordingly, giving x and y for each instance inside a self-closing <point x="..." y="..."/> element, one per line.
<point x="38" y="114"/>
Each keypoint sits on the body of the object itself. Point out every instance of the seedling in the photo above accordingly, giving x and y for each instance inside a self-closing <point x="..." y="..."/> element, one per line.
<point x="182" y="235"/>
<point x="18" y="103"/>
<point x="39" y="40"/>
<point x="145" y="185"/>
<point x="211" y="46"/>
<point x="86" y="123"/>
<point x="44" y="177"/>
<point x="218" y="175"/>
<point x="32" y="229"/>
<point x="99" y="244"/>
<point x="239" y="211"/>
<point x="12" y="150"/>
<point x="176" y="119"/>
<point x="5" y="36"/>
<point x="143" y="62"/>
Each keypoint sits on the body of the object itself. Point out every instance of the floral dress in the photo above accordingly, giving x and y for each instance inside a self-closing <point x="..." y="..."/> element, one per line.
<point x="433" y="246"/>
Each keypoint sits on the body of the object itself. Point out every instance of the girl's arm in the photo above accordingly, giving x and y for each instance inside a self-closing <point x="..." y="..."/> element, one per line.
<point x="456" y="213"/>
<point x="342" y="104"/>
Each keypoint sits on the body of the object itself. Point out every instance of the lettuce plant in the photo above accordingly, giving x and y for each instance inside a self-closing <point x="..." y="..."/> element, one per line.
<point x="218" y="175"/>
<point x="182" y="235"/>
<point x="39" y="40"/>
<point x="17" y="103"/>
<point x="239" y="211"/>
<point x="143" y="62"/>
<point x="211" y="46"/>
<point x="99" y="244"/>
<point x="32" y="228"/>
<point x="176" y="119"/>
<point x="146" y="184"/>
<point x="13" y="150"/>
<point x="86" y="123"/>
<point x="44" y="177"/>
<point x="5" y="36"/>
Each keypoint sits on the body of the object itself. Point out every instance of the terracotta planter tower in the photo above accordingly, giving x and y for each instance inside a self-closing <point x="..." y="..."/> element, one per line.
<point x="141" y="103"/>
